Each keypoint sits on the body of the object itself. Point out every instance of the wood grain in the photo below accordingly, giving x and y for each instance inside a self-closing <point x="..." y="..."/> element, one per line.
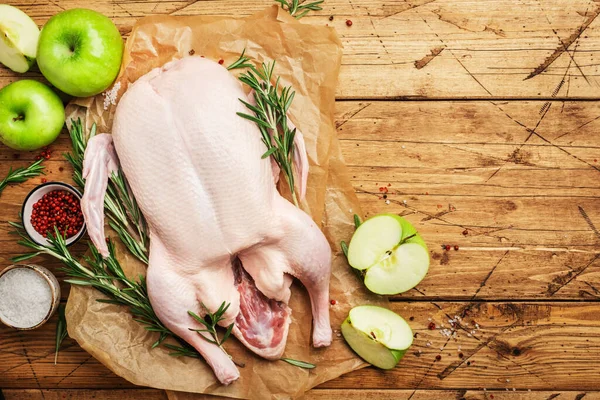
<point x="505" y="345"/>
<point x="422" y="48"/>
<point x="316" y="394"/>
<point x="509" y="157"/>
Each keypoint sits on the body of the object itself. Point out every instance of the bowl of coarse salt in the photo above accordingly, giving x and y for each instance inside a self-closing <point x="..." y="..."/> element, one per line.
<point x="29" y="295"/>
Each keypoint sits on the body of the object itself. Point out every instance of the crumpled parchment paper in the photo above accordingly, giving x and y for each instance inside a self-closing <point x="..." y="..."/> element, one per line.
<point x="308" y="58"/>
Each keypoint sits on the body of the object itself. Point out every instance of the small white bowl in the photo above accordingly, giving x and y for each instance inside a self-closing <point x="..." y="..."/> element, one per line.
<point x="54" y="300"/>
<point x="33" y="197"/>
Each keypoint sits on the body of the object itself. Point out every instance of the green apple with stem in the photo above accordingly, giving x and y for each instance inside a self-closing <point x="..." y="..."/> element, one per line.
<point x="31" y="115"/>
<point x="391" y="253"/>
<point x="80" y="52"/>
<point x="379" y="336"/>
<point x="18" y="39"/>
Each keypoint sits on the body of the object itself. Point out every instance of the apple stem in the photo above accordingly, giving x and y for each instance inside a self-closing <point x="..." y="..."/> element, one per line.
<point x="20" y="117"/>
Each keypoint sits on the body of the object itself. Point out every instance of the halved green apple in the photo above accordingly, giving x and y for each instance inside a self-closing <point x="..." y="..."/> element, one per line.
<point x="379" y="336"/>
<point x="18" y="39"/>
<point x="391" y="251"/>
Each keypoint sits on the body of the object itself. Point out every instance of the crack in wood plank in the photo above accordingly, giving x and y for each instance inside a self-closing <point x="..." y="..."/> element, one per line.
<point x="561" y="281"/>
<point x="73" y="370"/>
<point x="412" y="7"/>
<point x="350" y="114"/>
<point x="564" y="45"/>
<point x="588" y="221"/>
<point x="454" y="56"/>
<point x="571" y="56"/>
<point x="484" y="281"/>
<point x="436" y="51"/>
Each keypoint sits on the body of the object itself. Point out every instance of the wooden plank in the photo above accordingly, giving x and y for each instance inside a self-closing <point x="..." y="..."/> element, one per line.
<point x="514" y="345"/>
<point x="422" y="48"/>
<point x="59" y="394"/>
<point x="316" y="394"/>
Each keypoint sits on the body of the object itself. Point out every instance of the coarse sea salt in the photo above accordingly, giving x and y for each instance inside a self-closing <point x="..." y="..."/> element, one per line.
<point x="25" y="298"/>
<point x="110" y="97"/>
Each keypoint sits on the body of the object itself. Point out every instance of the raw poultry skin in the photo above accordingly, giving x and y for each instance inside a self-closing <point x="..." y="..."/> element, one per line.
<point x="219" y="230"/>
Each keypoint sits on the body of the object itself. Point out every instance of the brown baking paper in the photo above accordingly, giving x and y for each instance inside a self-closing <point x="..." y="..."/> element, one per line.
<point x="308" y="59"/>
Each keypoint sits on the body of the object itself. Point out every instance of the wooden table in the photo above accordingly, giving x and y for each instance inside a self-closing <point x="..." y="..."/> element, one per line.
<point x="481" y="118"/>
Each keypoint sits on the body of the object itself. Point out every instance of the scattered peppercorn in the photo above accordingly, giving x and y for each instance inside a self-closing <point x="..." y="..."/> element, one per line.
<point x="44" y="180"/>
<point x="456" y="247"/>
<point x="221" y="61"/>
<point x="438" y="357"/>
<point x="348" y="22"/>
<point x="468" y="363"/>
<point x="460" y="355"/>
<point x="385" y="196"/>
<point x="192" y="52"/>
<point x="331" y="17"/>
<point x="59" y="209"/>
<point x="431" y="326"/>
<point x="333" y="302"/>
<point x="61" y="169"/>
<point x="465" y="232"/>
<point x="447" y="247"/>
<point x="412" y="318"/>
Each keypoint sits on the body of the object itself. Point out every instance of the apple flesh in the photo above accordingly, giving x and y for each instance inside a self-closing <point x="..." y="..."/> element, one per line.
<point x="80" y="52"/>
<point x="18" y="39"/>
<point x="378" y="335"/>
<point x="31" y="115"/>
<point x="391" y="252"/>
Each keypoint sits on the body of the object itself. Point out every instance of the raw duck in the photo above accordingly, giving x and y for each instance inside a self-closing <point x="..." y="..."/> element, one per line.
<point x="219" y="230"/>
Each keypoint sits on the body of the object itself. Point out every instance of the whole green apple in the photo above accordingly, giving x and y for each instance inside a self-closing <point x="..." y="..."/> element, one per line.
<point x="80" y="51"/>
<point x="31" y="115"/>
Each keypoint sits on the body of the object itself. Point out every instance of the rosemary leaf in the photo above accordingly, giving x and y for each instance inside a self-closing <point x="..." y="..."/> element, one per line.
<point x="344" y="248"/>
<point x="210" y="322"/>
<point x="301" y="364"/>
<point x="61" y="331"/>
<point x="356" y="221"/>
<point x="294" y="6"/>
<point x="23" y="257"/>
<point x="241" y="62"/>
<point x="20" y="175"/>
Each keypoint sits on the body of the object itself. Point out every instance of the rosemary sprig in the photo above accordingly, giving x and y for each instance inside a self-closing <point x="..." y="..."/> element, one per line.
<point x="301" y="364"/>
<point x="61" y="331"/>
<point x="121" y="208"/>
<point x="210" y="322"/>
<point x="20" y="175"/>
<point x="107" y="276"/>
<point x="241" y="62"/>
<point x="295" y="6"/>
<point x="270" y="114"/>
